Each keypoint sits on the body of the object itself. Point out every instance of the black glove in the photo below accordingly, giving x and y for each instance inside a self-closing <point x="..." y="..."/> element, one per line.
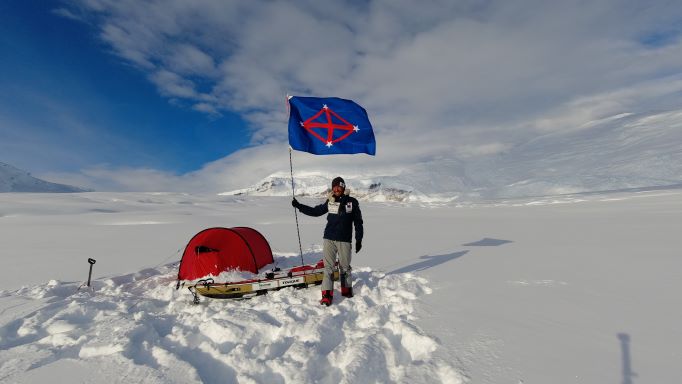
<point x="295" y="203"/>
<point x="358" y="246"/>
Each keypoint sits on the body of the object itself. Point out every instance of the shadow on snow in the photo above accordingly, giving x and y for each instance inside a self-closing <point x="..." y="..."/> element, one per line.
<point x="428" y="262"/>
<point x="487" y="242"/>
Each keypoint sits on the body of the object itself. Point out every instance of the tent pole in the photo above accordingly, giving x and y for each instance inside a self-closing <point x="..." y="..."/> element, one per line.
<point x="293" y="194"/>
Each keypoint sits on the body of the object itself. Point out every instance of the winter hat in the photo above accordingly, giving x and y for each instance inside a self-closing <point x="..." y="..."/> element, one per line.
<point x="338" y="181"/>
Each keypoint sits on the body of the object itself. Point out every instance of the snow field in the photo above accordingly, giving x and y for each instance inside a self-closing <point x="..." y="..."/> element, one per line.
<point x="138" y="326"/>
<point x="533" y="290"/>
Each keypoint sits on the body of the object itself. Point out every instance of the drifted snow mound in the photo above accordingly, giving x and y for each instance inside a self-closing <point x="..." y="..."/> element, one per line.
<point x="139" y="327"/>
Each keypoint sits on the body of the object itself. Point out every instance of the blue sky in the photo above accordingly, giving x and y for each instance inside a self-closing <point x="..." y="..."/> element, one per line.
<point x="157" y="95"/>
<point x="63" y="86"/>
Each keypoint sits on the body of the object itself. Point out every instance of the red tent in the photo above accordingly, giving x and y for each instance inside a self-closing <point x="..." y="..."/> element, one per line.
<point x="215" y="250"/>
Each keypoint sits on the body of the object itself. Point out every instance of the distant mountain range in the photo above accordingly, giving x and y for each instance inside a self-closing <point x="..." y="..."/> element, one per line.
<point x="15" y="180"/>
<point x="622" y="152"/>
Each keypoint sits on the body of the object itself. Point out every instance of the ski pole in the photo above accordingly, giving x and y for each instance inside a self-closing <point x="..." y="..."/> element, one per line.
<point x="91" y="262"/>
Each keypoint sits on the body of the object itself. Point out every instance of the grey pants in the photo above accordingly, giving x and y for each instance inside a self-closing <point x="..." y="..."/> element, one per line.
<point x="330" y="249"/>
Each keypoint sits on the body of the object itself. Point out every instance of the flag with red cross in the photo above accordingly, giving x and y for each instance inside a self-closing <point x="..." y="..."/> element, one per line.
<point x="329" y="126"/>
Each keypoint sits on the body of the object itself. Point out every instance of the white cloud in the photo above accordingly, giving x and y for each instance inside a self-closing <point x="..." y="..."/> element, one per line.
<point x="439" y="78"/>
<point x="173" y="85"/>
<point x="190" y="60"/>
<point x="244" y="167"/>
<point x="63" y="12"/>
<point x="106" y="178"/>
<point x="206" y="108"/>
<point x="579" y="113"/>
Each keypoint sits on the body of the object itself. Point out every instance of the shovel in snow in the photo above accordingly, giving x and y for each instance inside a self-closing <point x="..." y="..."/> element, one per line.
<point x="91" y="262"/>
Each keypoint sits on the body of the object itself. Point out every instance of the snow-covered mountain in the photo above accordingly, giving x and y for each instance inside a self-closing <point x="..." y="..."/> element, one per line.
<point x="15" y="180"/>
<point x="316" y="185"/>
<point x="616" y="153"/>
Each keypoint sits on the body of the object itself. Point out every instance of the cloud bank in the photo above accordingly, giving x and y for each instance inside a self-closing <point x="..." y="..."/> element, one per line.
<point x="438" y="78"/>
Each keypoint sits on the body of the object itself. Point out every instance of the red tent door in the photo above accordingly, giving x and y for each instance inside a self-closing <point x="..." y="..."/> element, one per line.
<point x="216" y="250"/>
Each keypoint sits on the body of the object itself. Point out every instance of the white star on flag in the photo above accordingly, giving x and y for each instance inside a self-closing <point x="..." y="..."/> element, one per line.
<point x="329" y="144"/>
<point x="356" y="128"/>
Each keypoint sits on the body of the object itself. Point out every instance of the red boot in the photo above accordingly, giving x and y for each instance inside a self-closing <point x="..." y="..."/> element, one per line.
<point x="347" y="291"/>
<point x="327" y="297"/>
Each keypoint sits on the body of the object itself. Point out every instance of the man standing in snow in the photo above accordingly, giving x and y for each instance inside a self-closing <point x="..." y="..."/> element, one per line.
<point x="342" y="212"/>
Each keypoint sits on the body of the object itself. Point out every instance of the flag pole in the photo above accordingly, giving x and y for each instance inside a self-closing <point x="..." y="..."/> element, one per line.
<point x="293" y="195"/>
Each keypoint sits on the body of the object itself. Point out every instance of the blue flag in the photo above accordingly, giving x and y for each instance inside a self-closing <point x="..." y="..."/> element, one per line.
<point x="329" y="126"/>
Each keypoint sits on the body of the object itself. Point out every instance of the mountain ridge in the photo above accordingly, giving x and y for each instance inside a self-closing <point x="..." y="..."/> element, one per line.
<point x="13" y="179"/>
<point x="621" y="152"/>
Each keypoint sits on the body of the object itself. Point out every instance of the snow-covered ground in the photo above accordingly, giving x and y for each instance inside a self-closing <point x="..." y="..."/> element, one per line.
<point x="567" y="289"/>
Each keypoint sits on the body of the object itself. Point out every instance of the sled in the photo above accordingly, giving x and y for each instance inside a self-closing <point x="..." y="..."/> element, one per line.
<point x="298" y="277"/>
